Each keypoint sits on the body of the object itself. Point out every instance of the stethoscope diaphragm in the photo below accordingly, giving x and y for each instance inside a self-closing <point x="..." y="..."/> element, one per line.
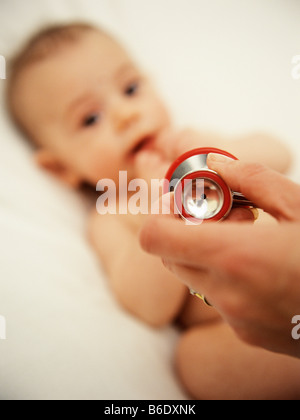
<point x="200" y="194"/>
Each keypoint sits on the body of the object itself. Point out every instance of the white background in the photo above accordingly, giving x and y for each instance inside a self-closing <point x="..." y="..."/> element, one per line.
<point x="223" y="65"/>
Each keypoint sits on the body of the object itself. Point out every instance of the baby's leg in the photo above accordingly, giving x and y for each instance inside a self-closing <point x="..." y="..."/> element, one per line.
<point x="214" y="364"/>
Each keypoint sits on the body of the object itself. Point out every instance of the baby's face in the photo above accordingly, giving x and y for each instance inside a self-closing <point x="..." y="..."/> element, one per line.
<point x="91" y="106"/>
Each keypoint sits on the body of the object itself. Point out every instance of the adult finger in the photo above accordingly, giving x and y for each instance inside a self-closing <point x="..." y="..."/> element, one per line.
<point x="243" y="214"/>
<point x="268" y="189"/>
<point x="200" y="281"/>
<point x="199" y="246"/>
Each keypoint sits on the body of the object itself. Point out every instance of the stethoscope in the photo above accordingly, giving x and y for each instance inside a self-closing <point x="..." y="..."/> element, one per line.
<point x="200" y="194"/>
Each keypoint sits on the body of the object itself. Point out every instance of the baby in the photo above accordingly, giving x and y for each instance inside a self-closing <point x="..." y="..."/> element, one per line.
<point x="91" y="112"/>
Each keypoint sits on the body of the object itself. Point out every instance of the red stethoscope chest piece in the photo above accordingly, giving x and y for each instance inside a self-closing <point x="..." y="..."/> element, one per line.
<point x="200" y="194"/>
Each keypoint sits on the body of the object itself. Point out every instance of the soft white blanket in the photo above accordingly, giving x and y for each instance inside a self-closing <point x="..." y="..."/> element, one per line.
<point x="220" y="65"/>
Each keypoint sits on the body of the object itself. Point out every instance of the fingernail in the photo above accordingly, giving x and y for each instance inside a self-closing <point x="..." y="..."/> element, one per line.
<point x="218" y="158"/>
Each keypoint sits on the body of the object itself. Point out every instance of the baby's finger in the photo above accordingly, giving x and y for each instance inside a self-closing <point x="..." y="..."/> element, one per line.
<point x="164" y="205"/>
<point x="150" y="165"/>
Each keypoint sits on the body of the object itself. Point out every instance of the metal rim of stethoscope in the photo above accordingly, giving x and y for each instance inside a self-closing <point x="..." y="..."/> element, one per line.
<point x="192" y="167"/>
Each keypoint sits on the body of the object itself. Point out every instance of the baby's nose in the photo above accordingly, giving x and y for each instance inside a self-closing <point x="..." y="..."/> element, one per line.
<point x="126" y="116"/>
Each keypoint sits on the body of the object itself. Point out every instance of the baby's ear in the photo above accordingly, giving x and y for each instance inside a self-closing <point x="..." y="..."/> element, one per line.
<point x="48" y="161"/>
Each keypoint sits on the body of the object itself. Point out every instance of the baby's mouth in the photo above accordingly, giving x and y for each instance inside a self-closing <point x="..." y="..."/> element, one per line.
<point x="144" y="144"/>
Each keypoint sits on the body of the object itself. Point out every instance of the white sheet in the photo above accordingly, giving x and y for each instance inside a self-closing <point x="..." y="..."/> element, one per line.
<point x="220" y="65"/>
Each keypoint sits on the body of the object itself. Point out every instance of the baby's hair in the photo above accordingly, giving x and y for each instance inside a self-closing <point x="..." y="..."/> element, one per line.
<point x="46" y="41"/>
<point x="40" y="46"/>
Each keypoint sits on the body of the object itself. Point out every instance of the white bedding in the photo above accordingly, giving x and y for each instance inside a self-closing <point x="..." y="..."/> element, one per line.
<point x="220" y="65"/>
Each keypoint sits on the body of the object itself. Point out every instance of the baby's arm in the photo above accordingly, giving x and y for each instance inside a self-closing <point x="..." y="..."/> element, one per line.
<point x="258" y="147"/>
<point x="139" y="281"/>
<point x="261" y="148"/>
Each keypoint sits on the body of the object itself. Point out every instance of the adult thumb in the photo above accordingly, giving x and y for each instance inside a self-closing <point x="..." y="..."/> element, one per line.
<point x="270" y="190"/>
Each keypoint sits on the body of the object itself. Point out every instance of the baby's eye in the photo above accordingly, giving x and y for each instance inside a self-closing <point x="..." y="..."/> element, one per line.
<point x="132" y="89"/>
<point x="91" y="120"/>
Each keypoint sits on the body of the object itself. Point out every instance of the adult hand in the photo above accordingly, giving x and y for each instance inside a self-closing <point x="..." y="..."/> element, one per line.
<point x="250" y="274"/>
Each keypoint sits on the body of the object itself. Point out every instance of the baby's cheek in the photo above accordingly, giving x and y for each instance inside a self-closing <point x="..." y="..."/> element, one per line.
<point x="102" y="167"/>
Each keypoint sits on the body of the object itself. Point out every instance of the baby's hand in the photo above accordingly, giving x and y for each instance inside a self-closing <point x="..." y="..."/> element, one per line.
<point x="151" y="165"/>
<point x="169" y="145"/>
<point x="174" y="143"/>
